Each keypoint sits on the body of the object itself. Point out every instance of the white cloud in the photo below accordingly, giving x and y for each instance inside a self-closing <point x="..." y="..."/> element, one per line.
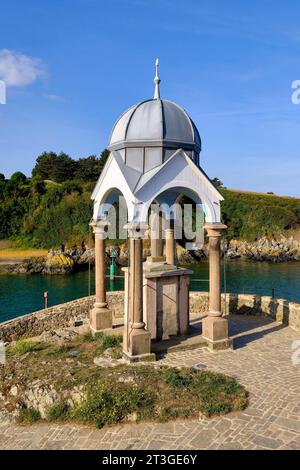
<point x="19" y="70"/>
<point x="55" y="98"/>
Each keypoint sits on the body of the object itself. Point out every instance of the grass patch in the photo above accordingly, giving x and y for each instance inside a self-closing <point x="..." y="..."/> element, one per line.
<point x="10" y="249"/>
<point x="117" y="353"/>
<point x="23" y="346"/>
<point x="217" y="393"/>
<point x="139" y="392"/>
<point x="108" y="404"/>
<point x="58" y="411"/>
<point x="159" y="394"/>
<point x="89" y="337"/>
<point x="175" y="379"/>
<point x="29" y="415"/>
<point x="57" y="350"/>
<point x="251" y="215"/>
<point x="108" y="341"/>
<point x="103" y="341"/>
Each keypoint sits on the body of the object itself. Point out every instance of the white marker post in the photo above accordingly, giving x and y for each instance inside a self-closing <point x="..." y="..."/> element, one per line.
<point x="46" y="299"/>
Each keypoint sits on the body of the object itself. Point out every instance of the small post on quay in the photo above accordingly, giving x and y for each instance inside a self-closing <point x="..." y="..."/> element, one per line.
<point x="112" y="267"/>
<point x="46" y="299"/>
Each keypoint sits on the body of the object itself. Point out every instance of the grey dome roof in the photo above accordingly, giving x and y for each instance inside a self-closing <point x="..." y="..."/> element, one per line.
<point x="155" y="122"/>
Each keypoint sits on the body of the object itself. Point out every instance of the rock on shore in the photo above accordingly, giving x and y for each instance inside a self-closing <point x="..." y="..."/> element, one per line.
<point x="264" y="249"/>
<point x="75" y="259"/>
<point x="56" y="262"/>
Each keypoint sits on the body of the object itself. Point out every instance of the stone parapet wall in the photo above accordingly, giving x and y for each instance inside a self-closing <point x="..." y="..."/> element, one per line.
<point x="64" y="315"/>
<point x="58" y="316"/>
<point x="280" y="310"/>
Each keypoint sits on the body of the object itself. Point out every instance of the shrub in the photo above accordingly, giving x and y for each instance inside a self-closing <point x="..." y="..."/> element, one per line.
<point x="251" y="215"/>
<point x="111" y="403"/>
<point x="23" y="346"/>
<point x="175" y="379"/>
<point x="108" y="341"/>
<point x="218" y="394"/>
<point x="117" y="353"/>
<point x="58" y="411"/>
<point x="89" y="337"/>
<point x="29" y="415"/>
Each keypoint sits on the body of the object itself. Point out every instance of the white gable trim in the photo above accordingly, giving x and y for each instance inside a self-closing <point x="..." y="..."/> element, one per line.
<point x="112" y="178"/>
<point x="185" y="174"/>
<point x="102" y="176"/>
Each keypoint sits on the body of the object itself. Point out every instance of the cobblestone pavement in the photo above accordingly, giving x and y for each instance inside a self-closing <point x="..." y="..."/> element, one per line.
<point x="261" y="361"/>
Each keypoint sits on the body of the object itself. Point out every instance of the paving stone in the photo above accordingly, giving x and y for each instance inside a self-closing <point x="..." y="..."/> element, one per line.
<point x="292" y="424"/>
<point x="204" y="439"/>
<point x="262" y="364"/>
<point x="267" y="442"/>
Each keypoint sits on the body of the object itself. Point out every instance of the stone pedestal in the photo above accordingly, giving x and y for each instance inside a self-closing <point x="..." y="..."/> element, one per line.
<point x="215" y="332"/>
<point x="100" y="315"/>
<point x="166" y="302"/>
<point x="214" y="326"/>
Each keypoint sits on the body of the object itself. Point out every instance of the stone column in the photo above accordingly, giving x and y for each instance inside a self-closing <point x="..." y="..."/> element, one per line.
<point x="137" y="340"/>
<point x="170" y="244"/>
<point x="157" y="245"/>
<point x="214" y="327"/>
<point x="100" y="315"/>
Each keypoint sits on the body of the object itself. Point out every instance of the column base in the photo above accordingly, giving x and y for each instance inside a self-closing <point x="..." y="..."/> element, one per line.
<point x="151" y="266"/>
<point x="100" y="319"/>
<point x="215" y="332"/>
<point x="139" y="358"/>
<point x="156" y="259"/>
<point x="139" y="344"/>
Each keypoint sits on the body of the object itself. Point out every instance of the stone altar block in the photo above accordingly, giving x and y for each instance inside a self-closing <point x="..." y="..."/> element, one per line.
<point x="165" y="300"/>
<point x="166" y="303"/>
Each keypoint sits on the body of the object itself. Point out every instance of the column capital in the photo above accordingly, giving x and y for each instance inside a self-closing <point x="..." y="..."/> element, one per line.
<point x="169" y="230"/>
<point x="99" y="226"/>
<point x="136" y="230"/>
<point x="215" y="229"/>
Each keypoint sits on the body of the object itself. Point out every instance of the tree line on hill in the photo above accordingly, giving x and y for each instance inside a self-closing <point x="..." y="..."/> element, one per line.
<point x="53" y="206"/>
<point x="60" y="168"/>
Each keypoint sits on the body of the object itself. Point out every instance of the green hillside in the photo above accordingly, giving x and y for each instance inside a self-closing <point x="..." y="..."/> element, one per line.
<point x="54" y="206"/>
<point x="251" y="215"/>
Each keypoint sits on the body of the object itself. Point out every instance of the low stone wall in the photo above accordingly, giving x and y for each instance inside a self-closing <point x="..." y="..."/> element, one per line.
<point x="55" y="317"/>
<point x="280" y="310"/>
<point x="63" y="315"/>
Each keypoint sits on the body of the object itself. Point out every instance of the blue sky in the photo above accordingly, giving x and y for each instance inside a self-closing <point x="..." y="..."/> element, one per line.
<point x="72" y="66"/>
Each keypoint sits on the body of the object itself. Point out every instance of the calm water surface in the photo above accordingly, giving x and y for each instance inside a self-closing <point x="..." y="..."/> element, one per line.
<point x="21" y="294"/>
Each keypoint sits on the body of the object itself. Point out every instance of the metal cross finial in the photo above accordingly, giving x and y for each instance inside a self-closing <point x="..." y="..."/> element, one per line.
<point x="156" y="81"/>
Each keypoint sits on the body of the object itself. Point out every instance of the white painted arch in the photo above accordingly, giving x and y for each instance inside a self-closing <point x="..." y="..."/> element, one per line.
<point x="181" y="175"/>
<point x="178" y="175"/>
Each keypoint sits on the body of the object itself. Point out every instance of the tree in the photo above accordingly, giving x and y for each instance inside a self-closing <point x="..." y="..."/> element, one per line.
<point x="2" y="184"/>
<point x="18" y="178"/>
<point x="70" y="187"/>
<point x="88" y="169"/>
<point x="54" y="167"/>
<point x="217" y="183"/>
<point x="15" y="186"/>
<point x="103" y="159"/>
<point x="64" y="169"/>
<point x="38" y="187"/>
<point x="44" y="166"/>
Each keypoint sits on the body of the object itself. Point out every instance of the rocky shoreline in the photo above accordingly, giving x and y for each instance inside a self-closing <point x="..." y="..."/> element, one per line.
<point x="264" y="249"/>
<point x="67" y="261"/>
